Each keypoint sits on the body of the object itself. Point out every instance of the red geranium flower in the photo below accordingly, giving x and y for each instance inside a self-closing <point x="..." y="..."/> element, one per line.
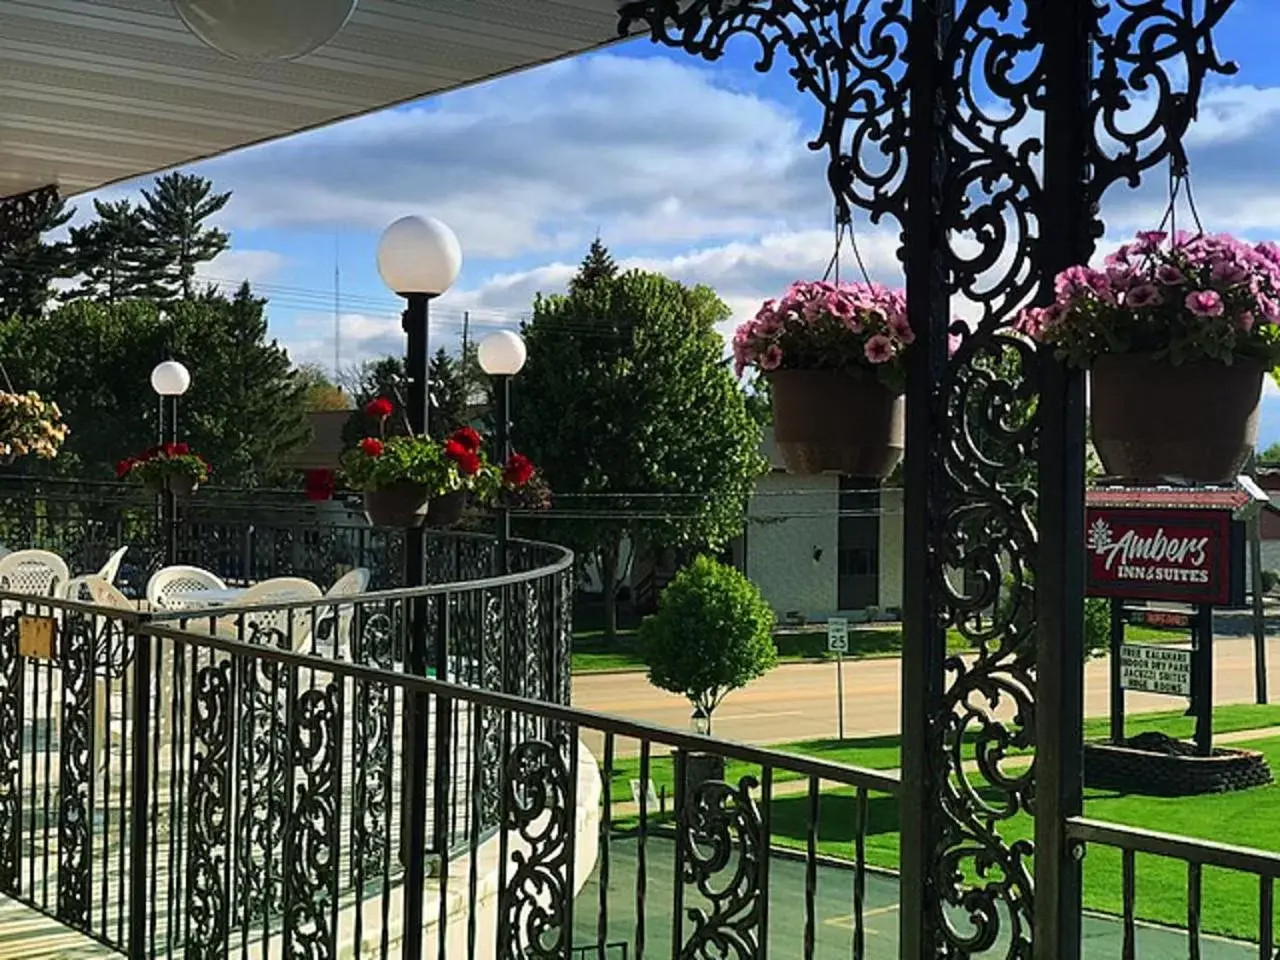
<point x="468" y="461"/>
<point x="371" y="447"/>
<point x="381" y="408"/>
<point x="318" y="484"/>
<point x="468" y="438"/>
<point x="175" y="450"/>
<point x="124" y="466"/>
<point x="519" y="471"/>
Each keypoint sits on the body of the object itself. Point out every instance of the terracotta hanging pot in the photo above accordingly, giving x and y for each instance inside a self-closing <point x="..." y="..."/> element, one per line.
<point x="828" y="421"/>
<point x="402" y="504"/>
<point x="446" y="511"/>
<point x="1155" y="422"/>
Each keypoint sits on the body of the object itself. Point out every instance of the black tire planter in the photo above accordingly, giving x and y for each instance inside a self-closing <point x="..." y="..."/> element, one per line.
<point x="446" y="511"/>
<point x="1155" y="422"/>
<point x="829" y="421"/>
<point x="1155" y="765"/>
<point x="402" y="505"/>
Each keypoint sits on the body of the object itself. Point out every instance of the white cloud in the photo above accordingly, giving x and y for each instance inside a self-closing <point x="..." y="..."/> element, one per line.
<point x="233" y="267"/>
<point x="654" y="149"/>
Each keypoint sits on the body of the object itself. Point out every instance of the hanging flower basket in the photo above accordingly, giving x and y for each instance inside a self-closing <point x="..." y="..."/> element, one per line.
<point x="171" y="466"/>
<point x="446" y="511"/>
<point x="29" y="425"/>
<point x="403" y="504"/>
<point x="832" y="356"/>
<point x="1153" y="421"/>
<point x="831" y="421"/>
<point x="1177" y="337"/>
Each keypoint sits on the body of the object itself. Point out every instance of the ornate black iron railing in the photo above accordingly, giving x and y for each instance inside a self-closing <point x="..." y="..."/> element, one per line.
<point x="243" y="536"/>
<point x="187" y="791"/>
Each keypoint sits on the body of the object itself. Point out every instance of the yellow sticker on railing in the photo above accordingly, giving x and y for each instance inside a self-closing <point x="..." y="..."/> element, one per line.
<point x="35" y="637"/>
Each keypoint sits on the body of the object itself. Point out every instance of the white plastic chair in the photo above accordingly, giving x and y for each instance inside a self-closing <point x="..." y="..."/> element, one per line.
<point x="334" y="630"/>
<point x="112" y="567"/>
<point x="35" y="572"/>
<point x="164" y="584"/>
<point x="265" y="623"/>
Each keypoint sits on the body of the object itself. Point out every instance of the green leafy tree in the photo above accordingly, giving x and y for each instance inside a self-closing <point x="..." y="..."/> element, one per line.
<point x="321" y="393"/>
<point x="29" y="264"/>
<point x="712" y="634"/>
<point x="1271" y="455"/>
<point x="245" y="411"/>
<point x="640" y="429"/>
<point x="113" y="256"/>
<point x="176" y="213"/>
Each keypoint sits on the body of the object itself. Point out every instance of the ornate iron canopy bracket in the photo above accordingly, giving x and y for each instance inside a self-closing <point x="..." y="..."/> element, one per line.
<point x="990" y="130"/>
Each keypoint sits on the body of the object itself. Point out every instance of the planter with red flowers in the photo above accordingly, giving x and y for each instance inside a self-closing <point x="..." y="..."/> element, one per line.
<point x="832" y="355"/>
<point x="1177" y="338"/>
<point x="522" y="486"/>
<point x="408" y="479"/>
<point x="172" y="467"/>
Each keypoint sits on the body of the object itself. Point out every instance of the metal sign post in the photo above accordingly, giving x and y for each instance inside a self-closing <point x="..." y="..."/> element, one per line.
<point x="838" y="643"/>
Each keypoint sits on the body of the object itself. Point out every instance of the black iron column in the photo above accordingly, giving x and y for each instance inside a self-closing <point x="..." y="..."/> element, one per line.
<point x="502" y="403"/>
<point x="418" y="706"/>
<point x="1067" y="221"/>
<point x="924" y="626"/>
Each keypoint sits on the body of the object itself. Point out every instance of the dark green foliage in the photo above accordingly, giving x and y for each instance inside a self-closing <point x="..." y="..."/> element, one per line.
<point x="244" y="411"/>
<point x="627" y="407"/>
<point x="1270" y="578"/>
<point x="712" y="634"/>
<point x="175" y="212"/>
<point x="29" y="267"/>
<point x="113" y="256"/>
<point x="1097" y="627"/>
<point x="597" y="269"/>
<point x="385" y="377"/>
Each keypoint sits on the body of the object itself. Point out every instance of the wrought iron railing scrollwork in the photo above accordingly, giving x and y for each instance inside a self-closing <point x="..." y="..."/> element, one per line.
<point x="969" y="184"/>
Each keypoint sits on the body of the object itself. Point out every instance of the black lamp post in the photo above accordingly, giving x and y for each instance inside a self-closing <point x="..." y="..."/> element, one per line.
<point x="170" y="380"/>
<point x="419" y="258"/>
<point x="502" y="356"/>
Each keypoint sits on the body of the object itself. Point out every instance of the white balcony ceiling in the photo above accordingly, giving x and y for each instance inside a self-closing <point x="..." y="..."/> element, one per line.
<point x="96" y="91"/>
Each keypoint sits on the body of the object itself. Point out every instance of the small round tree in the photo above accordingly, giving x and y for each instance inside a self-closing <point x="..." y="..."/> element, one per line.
<point x="713" y="633"/>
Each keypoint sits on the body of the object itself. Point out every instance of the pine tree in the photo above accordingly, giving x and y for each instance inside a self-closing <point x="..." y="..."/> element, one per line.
<point x="175" y="213"/>
<point x="250" y="413"/>
<point x="29" y="264"/>
<point x="598" y="268"/>
<point x="448" y="391"/>
<point x="113" y="256"/>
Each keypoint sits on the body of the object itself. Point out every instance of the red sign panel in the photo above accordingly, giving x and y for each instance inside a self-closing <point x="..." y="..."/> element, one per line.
<point x="1185" y="556"/>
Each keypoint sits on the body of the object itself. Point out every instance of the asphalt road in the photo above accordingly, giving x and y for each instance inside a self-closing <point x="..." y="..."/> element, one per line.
<point x="833" y="914"/>
<point x="798" y="701"/>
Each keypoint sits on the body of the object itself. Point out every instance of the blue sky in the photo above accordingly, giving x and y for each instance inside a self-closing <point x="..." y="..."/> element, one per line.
<point x="698" y="170"/>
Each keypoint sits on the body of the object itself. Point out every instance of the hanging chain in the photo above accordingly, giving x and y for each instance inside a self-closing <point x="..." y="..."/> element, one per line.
<point x="843" y="229"/>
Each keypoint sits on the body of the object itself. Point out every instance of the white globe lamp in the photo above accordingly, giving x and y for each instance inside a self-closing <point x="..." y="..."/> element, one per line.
<point x="502" y="354"/>
<point x="265" y="29"/>
<point x="170" y="379"/>
<point x="419" y="255"/>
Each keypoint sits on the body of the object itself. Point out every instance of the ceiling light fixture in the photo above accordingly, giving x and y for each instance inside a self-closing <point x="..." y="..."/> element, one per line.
<point x="265" y="29"/>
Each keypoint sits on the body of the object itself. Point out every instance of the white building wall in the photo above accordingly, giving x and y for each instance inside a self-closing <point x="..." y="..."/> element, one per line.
<point x="791" y="543"/>
<point x="890" y="549"/>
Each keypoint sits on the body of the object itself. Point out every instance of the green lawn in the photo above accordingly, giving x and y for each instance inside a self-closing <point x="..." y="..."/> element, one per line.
<point x="1249" y="818"/>
<point x="883" y="752"/>
<point x="592" y="653"/>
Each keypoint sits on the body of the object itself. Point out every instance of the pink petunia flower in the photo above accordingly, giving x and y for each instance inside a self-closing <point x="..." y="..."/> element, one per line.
<point x="1143" y="295"/>
<point x="879" y="349"/>
<point x="1170" y="275"/>
<point x="1204" y="303"/>
<point x="771" y="359"/>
